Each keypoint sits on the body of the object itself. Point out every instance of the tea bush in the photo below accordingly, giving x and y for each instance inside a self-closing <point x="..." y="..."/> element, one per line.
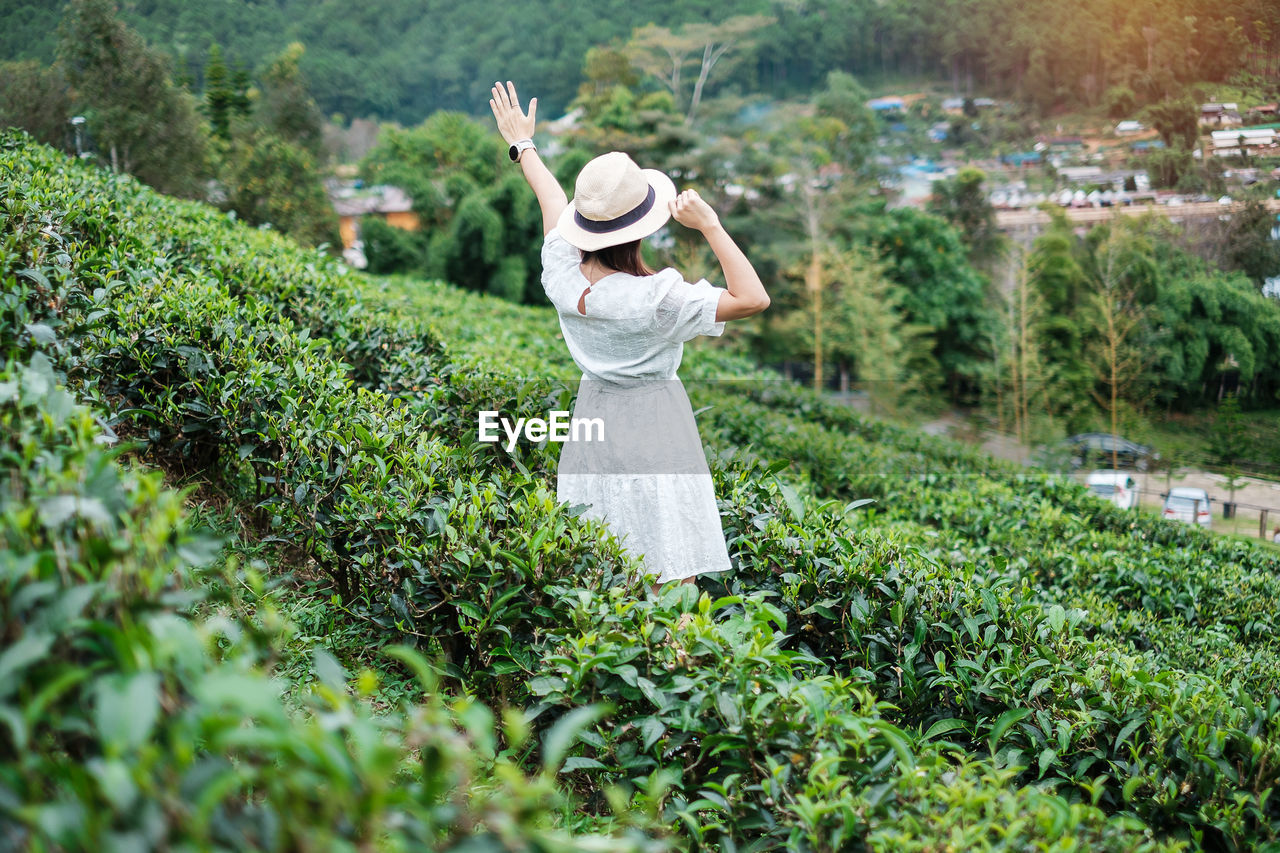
<point x="130" y="724"/>
<point x="974" y="638"/>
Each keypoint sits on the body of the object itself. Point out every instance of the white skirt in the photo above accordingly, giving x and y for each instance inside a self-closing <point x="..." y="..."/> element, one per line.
<point x="635" y="459"/>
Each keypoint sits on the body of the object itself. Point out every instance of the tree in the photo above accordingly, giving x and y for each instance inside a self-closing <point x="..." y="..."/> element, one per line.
<point x="941" y="292"/>
<point x="1124" y="282"/>
<point x="269" y="180"/>
<point x="844" y="100"/>
<point x="1248" y="245"/>
<point x="667" y="54"/>
<point x="1230" y="441"/>
<point x="146" y="125"/>
<point x="483" y="225"/>
<point x="286" y="106"/>
<point x="1024" y="369"/>
<point x="962" y="202"/>
<point x="36" y="99"/>
<point x="1061" y="287"/>
<point x="219" y="95"/>
<point x="859" y="326"/>
<point x="1177" y="121"/>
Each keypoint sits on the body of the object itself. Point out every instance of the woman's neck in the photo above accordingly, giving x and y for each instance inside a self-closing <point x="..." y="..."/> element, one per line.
<point x="594" y="270"/>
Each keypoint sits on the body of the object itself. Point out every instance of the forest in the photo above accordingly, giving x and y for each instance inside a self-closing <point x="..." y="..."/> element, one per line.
<point x="402" y="60"/>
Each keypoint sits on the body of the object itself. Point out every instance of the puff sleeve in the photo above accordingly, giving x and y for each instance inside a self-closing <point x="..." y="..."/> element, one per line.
<point x="686" y="310"/>
<point x="560" y="262"/>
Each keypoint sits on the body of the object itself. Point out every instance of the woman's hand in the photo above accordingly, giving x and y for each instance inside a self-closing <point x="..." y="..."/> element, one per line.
<point x="513" y="124"/>
<point x="691" y="211"/>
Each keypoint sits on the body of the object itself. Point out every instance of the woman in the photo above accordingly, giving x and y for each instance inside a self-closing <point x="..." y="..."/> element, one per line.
<point x="625" y="326"/>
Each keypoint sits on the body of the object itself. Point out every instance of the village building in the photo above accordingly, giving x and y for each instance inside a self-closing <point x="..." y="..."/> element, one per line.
<point x="1220" y="115"/>
<point x="353" y="202"/>
<point x="1254" y="140"/>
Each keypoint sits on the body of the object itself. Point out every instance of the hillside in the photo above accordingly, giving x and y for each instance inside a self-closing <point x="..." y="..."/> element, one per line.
<point x="402" y="60"/>
<point x="983" y="658"/>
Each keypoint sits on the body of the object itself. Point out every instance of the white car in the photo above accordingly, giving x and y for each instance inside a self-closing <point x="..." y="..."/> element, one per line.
<point x="1119" y="487"/>
<point x="1188" y="505"/>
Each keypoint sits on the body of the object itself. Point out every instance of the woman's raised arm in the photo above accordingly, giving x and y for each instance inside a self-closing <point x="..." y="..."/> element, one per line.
<point x="514" y="126"/>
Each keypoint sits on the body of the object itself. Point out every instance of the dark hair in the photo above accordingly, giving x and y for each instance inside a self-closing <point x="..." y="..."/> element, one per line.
<point x="625" y="257"/>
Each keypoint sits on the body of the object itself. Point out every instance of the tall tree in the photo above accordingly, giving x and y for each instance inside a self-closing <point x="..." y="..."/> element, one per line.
<point x="1123" y="287"/>
<point x="286" y="106"/>
<point x="481" y="221"/>
<point x="667" y="54"/>
<point x="144" y="124"/>
<point x="860" y="327"/>
<point x="35" y="98"/>
<point x="1177" y="121"/>
<point x="268" y="180"/>
<point x="962" y="202"/>
<point x="941" y="292"/>
<point x="1249" y="246"/>
<point x="1061" y="286"/>
<point x="218" y="93"/>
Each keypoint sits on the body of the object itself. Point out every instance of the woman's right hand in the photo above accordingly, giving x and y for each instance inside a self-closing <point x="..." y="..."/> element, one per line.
<point x="513" y="123"/>
<point x="691" y="211"/>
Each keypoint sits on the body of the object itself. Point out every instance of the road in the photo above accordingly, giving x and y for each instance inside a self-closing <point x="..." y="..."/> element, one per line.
<point x="1008" y="220"/>
<point x="1251" y="491"/>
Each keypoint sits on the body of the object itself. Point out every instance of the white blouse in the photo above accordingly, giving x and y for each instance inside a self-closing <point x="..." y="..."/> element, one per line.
<point x="635" y="326"/>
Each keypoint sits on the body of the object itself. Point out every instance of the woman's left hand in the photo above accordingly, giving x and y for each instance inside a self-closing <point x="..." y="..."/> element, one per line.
<point x="513" y="124"/>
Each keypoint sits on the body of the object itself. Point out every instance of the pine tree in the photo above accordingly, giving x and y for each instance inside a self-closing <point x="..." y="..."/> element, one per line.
<point x="240" y="104"/>
<point x="218" y="93"/>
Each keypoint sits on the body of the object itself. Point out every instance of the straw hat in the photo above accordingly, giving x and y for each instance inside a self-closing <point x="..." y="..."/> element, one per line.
<point x="615" y="202"/>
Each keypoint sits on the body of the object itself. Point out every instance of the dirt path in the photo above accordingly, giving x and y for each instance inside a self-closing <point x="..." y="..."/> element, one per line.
<point x="1252" y="494"/>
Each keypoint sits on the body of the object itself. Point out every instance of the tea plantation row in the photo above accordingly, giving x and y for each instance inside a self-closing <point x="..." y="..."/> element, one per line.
<point x="849" y="686"/>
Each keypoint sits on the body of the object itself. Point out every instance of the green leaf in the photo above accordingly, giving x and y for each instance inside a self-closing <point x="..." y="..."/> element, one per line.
<point x="943" y="727"/>
<point x="651" y="730"/>
<point x="1129" y="729"/>
<point x="578" y="762"/>
<point x="329" y="671"/>
<point x="852" y="505"/>
<point x="1005" y="720"/>
<point x="560" y="737"/>
<point x="470" y="608"/>
<point x="544" y="684"/>
<point x="40" y="333"/>
<point x="126" y="708"/>
<point x="792" y="497"/>
<point x="1046" y="758"/>
<point x="19" y="656"/>
<point x="729" y="710"/>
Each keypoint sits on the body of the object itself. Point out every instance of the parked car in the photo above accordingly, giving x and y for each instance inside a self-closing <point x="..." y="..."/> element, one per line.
<point x="1119" y="487"/>
<point x="1107" y="448"/>
<point x="1188" y="505"/>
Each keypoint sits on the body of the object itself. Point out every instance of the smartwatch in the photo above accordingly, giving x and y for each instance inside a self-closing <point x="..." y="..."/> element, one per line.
<point x="518" y="147"/>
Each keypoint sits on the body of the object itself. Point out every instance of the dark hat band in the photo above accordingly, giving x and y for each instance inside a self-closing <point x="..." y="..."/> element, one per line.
<point x="604" y="226"/>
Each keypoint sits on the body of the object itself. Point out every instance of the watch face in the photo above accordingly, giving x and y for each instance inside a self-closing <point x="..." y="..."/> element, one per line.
<point x="513" y="153"/>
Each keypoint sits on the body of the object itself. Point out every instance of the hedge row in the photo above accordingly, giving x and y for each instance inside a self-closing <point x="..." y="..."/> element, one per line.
<point x="128" y="723"/>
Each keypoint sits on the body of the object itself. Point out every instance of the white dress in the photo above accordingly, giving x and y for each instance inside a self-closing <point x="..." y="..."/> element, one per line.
<point x="637" y="463"/>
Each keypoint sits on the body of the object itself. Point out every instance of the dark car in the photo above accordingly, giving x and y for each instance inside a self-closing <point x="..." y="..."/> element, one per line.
<point x="1103" y="447"/>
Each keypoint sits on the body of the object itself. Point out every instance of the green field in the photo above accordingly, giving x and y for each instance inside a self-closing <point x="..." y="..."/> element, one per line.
<point x="356" y="628"/>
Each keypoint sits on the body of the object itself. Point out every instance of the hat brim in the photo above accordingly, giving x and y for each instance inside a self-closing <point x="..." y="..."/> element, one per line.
<point x="664" y="192"/>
